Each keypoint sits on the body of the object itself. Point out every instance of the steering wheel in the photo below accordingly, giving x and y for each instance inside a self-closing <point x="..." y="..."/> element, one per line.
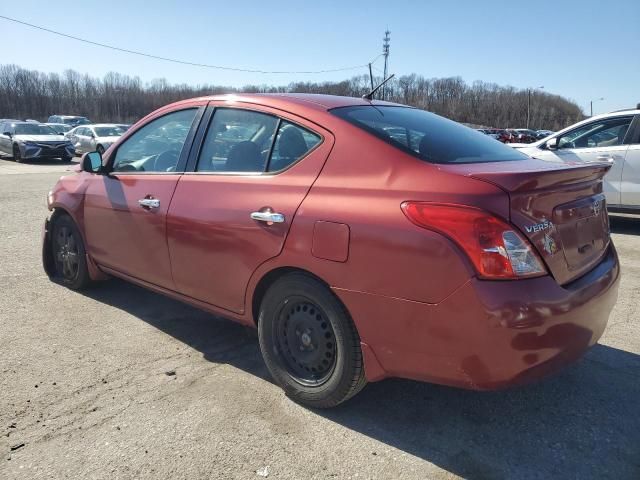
<point x="166" y="161"/>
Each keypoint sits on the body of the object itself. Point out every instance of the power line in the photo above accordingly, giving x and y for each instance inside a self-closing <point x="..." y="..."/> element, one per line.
<point x="183" y="62"/>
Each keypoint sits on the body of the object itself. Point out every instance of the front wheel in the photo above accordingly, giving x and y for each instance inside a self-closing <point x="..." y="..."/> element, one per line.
<point x="309" y="343"/>
<point x="69" y="254"/>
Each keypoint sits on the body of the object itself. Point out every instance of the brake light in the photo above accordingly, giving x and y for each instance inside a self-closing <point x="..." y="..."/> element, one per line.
<point x="495" y="248"/>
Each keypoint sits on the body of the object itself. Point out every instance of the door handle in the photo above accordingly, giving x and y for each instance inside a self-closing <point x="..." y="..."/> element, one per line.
<point x="606" y="158"/>
<point x="269" y="217"/>
<point x="149" y="203"/>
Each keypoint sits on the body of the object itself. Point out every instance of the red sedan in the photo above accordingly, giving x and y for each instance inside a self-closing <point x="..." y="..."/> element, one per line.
<point x="363" y="239"/>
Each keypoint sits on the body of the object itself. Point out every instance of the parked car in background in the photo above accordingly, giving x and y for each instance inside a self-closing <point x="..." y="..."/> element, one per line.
<point x="499" y="134"/>
<point x="363" y="239"/>
<point x="73" y="120"/>
<point x="540" y="134"/>
<point x="524" y="135"/>
<point x="33" y="141"/>
<point x="31" y="120"/>
<point x="61" y="128"/>
<point x="96" y="137"/>
<point x="125" y="126"/>
<point x="611" y="137"/>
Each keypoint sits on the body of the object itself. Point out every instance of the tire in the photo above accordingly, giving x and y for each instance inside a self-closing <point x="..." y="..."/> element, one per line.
<point x="309" y="342"/>
<point x="66" y="159"/>
<point x="100" y="149"/>
<point x="17" y="157"/>
<point x="69" y="254"/>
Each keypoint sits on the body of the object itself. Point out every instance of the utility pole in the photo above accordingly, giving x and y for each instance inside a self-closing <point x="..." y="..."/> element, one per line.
<point x="591" y="104"/>
<point x="529" y="104"/>
<point x="385" y="51"/>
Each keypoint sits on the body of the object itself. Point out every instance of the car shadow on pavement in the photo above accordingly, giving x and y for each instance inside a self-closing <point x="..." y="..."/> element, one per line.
<point x="582" y="423"/>
<point x="626" y="225"/>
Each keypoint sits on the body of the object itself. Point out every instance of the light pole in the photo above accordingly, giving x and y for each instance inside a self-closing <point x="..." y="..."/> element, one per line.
<point x="529" y="103"/>
<point x="591" y="104"/>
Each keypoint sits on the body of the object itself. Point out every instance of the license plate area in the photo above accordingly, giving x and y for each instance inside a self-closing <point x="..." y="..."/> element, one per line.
<point x="584" y="230"/>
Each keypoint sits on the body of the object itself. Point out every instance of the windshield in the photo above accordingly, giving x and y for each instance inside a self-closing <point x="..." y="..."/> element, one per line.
<point x="109" y="131"/>
<point x="427" y="136"/>
<point x="34" y="129"/>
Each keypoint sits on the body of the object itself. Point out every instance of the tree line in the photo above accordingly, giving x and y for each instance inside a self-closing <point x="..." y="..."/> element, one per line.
<point x="125" y="99"/>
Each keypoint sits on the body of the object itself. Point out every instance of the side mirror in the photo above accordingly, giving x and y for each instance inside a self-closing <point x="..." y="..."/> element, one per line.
<point x="8" y="134"/>
<point x="92" y="162"/>
<point x="92" y="135"/>
<point x="552" y="143"/>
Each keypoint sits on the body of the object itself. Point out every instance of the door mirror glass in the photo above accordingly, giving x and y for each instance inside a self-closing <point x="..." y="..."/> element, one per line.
<point x="552" y="144"/>
<point x="8" y="134"/>
<point x="92" y="162"/>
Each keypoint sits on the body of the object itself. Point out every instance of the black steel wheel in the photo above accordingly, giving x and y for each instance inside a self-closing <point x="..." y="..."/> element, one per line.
<point x="17" y="156"/>
<point x="309" y="342"/>
<point x="306" y="341"/>
<point x="69" y="254"/>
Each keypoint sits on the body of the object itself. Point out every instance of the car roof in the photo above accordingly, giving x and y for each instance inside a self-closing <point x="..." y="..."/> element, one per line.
<point x="286" y="101"/>
<point x="101" y="125"/>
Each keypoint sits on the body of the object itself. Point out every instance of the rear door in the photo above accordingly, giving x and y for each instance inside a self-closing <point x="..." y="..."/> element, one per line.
<point x="630" y="181"/>
<point x="234" y="210"/>
<point x="125" y="212"/>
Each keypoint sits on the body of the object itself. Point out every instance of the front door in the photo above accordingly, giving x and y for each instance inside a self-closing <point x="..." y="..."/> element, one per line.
<point x="630" y="184"/>
<point x="125" y="212"/>
<point x="235" y="210"/>
<point x="600" y="140"/>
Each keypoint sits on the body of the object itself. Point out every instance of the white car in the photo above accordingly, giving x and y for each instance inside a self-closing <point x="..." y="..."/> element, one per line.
<point x="613" y="137"/>
<point x="91" y="138"/>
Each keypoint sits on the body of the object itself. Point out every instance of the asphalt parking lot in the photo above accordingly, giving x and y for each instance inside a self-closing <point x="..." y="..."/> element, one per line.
<point x="119" y="382"/>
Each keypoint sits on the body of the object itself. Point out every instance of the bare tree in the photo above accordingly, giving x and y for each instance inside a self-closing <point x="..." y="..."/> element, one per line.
<point x="121" y="98"/>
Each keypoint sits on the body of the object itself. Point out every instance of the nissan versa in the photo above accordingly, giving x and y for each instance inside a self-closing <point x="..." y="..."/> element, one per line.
<point x="363" y="239"/>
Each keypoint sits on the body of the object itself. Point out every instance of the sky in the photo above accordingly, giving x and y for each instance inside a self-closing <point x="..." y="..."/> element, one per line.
<point x="582" y="50"/>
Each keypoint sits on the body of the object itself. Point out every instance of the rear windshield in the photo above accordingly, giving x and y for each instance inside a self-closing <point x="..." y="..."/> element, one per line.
<point x="427" y="136"/>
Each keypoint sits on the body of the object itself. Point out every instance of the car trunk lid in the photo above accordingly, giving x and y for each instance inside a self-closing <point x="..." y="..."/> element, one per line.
<point x="559" y="207"/>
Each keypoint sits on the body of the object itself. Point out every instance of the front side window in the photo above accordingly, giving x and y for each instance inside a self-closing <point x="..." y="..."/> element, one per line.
<point x="607" y="132"/>
<point x="157" y="146"/>
<point x="427" y="136"/>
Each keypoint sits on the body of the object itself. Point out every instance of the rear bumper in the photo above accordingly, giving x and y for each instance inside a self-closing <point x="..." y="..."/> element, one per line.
<point x="488" y="334"/>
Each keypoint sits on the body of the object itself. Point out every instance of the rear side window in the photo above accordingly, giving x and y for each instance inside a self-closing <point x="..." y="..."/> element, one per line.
<point x="292" y="143"/>
<point x="252" y="142"/>
<point x="427" y="136"/>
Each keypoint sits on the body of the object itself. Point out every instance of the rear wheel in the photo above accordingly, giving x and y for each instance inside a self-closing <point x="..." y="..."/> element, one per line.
<point x="17" y="157"/>
<point x="69" y="254"/>
<point x="309" y="342"/>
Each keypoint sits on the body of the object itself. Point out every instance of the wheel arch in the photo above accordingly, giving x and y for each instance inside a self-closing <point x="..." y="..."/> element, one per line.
<point x="269" y="278"/>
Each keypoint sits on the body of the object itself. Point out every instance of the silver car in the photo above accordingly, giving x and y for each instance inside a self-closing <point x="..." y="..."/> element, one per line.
<point x="91" y="138"/>
<point x="30" y="141"/>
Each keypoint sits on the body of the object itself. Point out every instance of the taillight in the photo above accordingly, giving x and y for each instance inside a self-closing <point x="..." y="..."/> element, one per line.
<point x="496" y="250"/>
